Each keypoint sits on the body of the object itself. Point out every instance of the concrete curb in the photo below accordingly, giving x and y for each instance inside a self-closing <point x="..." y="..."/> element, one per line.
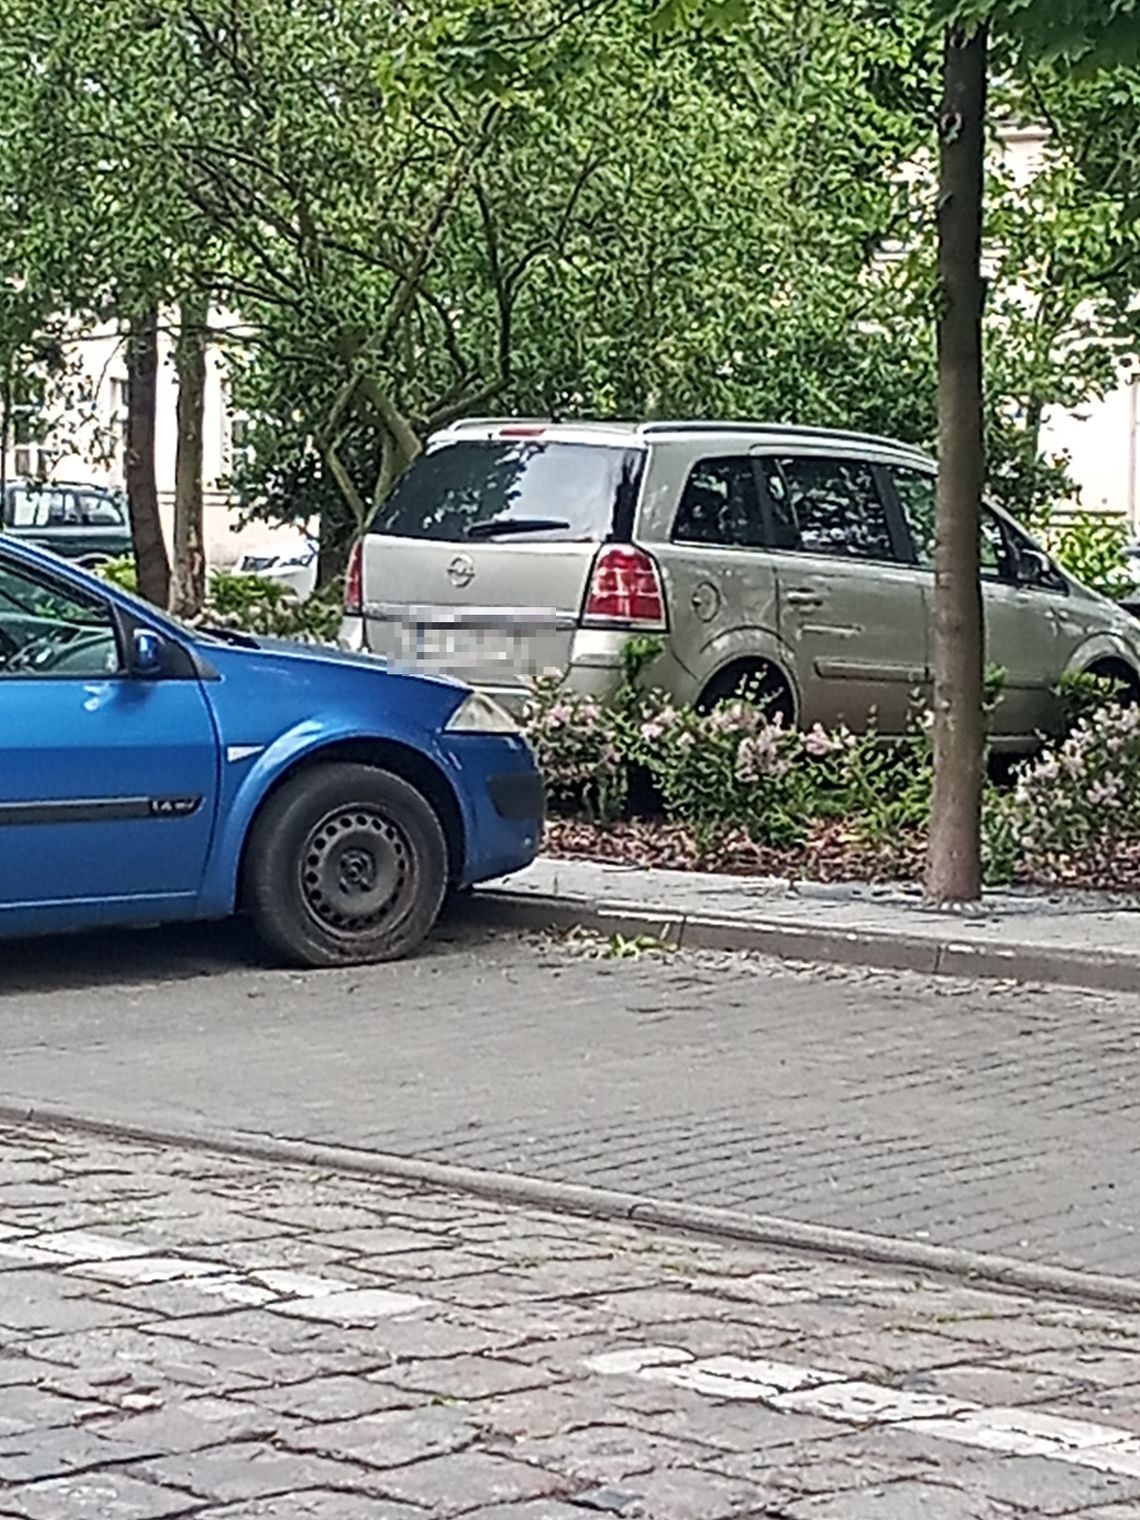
<point x="978" y="1268"/>
<point x="1106" y="971"/>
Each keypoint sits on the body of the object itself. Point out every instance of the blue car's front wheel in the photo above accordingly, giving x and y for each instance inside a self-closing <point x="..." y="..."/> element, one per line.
<point x="346" y="863"/>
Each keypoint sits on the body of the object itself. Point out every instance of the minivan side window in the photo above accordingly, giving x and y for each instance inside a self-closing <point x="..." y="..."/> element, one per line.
<point x="835" y="505"/>
<point x="918" y="492"/>
<point x="721" y="505"/>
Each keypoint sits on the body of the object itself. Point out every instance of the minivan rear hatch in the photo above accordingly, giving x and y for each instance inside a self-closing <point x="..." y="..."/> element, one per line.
<point x="478" y="562"/>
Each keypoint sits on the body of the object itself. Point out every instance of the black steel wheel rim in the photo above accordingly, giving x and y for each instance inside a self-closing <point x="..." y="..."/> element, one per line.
<point x="357" y="870"/>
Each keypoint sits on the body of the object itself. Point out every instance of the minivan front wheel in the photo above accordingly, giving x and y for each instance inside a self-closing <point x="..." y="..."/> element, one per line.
<point x="345" y="864"/>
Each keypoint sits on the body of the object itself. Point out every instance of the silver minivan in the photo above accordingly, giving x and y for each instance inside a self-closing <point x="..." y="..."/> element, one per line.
<point x="798" y="557"/>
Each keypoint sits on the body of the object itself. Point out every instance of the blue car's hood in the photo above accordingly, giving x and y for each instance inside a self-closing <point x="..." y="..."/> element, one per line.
<point x="270" y="673"/>
<point x="322" y="654"/>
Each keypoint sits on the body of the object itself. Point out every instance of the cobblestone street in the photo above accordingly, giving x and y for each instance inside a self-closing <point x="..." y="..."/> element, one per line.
<point x="186" y="1334"/>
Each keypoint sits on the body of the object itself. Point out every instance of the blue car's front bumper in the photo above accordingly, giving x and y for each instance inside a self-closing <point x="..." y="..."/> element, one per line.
<point x="501" y="795"/>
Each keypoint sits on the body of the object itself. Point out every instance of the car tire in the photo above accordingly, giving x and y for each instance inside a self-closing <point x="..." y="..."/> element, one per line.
<point x="345" y="864"/>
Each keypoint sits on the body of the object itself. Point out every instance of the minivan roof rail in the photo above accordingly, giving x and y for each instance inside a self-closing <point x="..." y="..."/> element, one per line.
<point x="543" y="422"/>
<point x="781" y="429"/>
<point x="707" y="425"/>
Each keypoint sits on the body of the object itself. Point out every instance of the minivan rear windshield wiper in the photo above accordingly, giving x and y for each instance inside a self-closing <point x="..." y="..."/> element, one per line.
<point x="498" y="525"/>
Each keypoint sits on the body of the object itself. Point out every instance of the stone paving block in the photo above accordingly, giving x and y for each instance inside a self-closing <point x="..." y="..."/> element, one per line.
<point x="609" y="1454"/>
<point x="378" y="1240"/>
<point x="40" y="1409"/>
<point x="360" y="1306"/>
<point x="1105" y="1406"/>
<point x="996" y="1384"/>
<point x="683" y="1494"/>
<point x="539" y="1320"/>
<point x="314" y="1504"/>
<point x="455" y="1484"/>
<point x="55" y="1453"/>
<point x="557" y="1409"/>
<point x="95" y="1496"/>
<point x="439" y="1336"/>
<point x="188" y="1424"/>
<point x="391" y="1439"/>
<point x="34" y="1311"/>
<point x="898" y="1501"/>
<point x="465" y="1377"/>
<point x="713" y="1337"/>
<point x="487" y="1290"/>
<point x="249" y="1470"/>
<point x="1036" y="1484"/>
<point x="333" y="1398"/>
<point x="731" y="1429"/>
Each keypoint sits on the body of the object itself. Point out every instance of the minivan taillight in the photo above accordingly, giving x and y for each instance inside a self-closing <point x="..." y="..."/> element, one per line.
<point x="625" y="588"/>
<point x="354" y="581"/>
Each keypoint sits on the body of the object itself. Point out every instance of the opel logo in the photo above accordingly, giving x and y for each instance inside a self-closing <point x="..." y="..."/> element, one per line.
<point x="461" y="571"/>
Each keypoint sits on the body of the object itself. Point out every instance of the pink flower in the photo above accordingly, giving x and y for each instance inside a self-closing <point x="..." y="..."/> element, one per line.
<point x="819" y="743"/>
<point x="759" y="755"/>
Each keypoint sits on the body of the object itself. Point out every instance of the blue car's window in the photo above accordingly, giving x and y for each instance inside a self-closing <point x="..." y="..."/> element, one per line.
<point x="49" y="629"/>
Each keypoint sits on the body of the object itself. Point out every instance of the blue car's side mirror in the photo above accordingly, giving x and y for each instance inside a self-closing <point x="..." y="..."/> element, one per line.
<point x="146" y="654"/>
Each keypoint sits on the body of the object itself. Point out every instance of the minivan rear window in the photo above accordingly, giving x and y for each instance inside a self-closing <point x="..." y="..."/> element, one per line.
<point x="519" y="491"/>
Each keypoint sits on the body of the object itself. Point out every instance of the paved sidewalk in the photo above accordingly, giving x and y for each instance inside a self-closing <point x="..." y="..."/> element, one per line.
<point x="1083" y="939"/>
<point x="190" y="1335"/>
<point x="978" y="1115"/>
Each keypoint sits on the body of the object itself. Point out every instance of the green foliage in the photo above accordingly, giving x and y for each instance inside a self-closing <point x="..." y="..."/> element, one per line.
<point x="1087" y="34"/>
<point x="1082" y="694"/>
<point x="254" y="604"/>
<point x="121" y="573"/>
<point x="1091" y="548"/>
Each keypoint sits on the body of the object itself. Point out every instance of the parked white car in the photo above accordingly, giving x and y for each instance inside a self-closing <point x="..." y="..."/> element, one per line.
<point x="291" y="561"/>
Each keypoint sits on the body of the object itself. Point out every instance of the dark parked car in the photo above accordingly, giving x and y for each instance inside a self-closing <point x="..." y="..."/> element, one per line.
<point x="87" y="524"/>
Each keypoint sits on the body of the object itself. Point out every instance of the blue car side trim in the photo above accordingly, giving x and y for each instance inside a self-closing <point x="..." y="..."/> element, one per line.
<point x="96" y="810"/>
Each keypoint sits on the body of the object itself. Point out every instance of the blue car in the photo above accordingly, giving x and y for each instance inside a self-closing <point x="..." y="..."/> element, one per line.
<point x="152" y="773"/>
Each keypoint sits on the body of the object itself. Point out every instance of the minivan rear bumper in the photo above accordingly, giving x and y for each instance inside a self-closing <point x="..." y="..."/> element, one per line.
<point x="594" y="670"/>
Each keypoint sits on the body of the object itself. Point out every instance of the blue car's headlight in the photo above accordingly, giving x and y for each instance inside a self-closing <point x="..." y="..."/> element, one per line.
<point x="478" y="714"/>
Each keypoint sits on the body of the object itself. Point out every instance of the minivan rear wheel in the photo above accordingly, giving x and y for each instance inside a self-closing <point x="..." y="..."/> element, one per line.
<point x="345" y="864"/>
<point x="758" y="681"/>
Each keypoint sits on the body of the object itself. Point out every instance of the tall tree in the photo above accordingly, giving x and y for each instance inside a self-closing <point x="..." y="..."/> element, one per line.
<point x="1080" y="34"/>
<point x="188" y="577"/>
<point x="151" y="558"/>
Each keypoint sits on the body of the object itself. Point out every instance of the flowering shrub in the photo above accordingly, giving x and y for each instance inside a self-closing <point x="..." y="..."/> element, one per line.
<point x="733" y="768"/>
<point x="1078" y="801"/>
<point x="576" y="742"/>
<point x="738" y="780"/>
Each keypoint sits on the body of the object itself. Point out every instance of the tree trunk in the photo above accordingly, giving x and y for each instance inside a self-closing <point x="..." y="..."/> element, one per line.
<point x="142" y="488"/>
<point x="954" y="863"/>
<point x="188" y="585"/>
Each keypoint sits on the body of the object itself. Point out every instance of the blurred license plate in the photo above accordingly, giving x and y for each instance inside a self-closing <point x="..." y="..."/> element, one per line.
<point x="436" y="643"/>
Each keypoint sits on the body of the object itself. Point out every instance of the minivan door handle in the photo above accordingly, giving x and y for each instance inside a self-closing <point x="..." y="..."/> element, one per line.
<point x="804" y="598"/>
